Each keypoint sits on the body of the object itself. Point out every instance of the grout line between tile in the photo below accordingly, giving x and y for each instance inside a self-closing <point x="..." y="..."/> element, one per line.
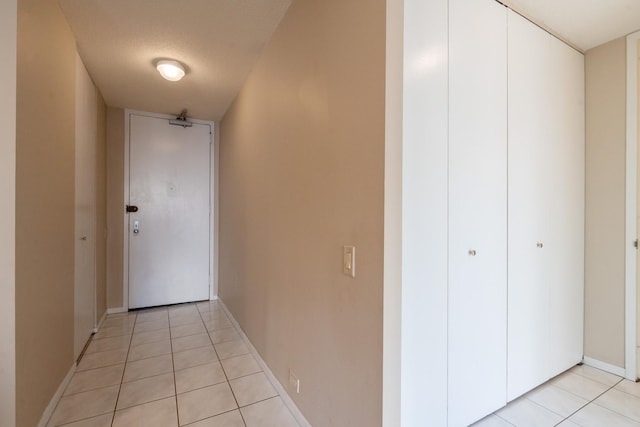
<point x="247" y="375"/>
<point x="609" y="409"/>
<point x="225" y="375"/>
<point x="143" y="403"/>
<point x="175" y="385"/>
<point x="213" y="416"/>
<point x="195" y="366"/>
<point x="144" y="378"/>
<point x="589" y="402"/>
<point x="97" y="367"/>
<point x="622" y="391"/>
<point x="593" y="379"/>
<point x="150" y="342"/>
<point x="84" y="419"/>
<point x="122" y="378"/>
<point x="543" y="407"/>
<point x="569" y="391"/>
<point x="503" y="419"/>
<point x="112" y="336"/>
<point x="147" y="358"/>
<point x="88" y="390"/>
<point x="201" y="387"/>
<point x="263" y="400"/>
<point x="617" y="413"/>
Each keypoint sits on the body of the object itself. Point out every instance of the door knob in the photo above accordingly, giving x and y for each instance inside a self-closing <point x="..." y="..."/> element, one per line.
<point x="539" y="244"/>
<point x="83" y="238"/>
<point x="472" y="252"/>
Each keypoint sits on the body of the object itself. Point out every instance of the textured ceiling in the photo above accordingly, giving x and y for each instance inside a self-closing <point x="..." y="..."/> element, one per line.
<point x="582" y="23"/>
<point x="220" y="40"/>
<point x="217" y="40"/>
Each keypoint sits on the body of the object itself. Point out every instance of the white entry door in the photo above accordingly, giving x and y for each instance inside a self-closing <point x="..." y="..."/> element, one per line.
<point x="169" y="234"/>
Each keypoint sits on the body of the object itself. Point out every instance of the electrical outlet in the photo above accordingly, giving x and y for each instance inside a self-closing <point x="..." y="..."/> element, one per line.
<point x="294" y="381"/>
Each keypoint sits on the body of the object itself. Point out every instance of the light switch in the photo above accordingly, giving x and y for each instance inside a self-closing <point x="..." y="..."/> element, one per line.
<point x="349" y="260"/>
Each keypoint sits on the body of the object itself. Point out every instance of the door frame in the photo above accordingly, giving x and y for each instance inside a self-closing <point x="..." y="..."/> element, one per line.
<point x="213" y="200"/>
<point x="631" y="209"/>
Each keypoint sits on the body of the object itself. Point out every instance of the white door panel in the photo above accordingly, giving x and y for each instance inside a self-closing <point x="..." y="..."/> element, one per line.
<point x="528" y="212"/>
<point x="424" y="214"/>
<point x="478" y="210"/>
<point x="565" y="104"/>
<point x="85" y="208"/>
<point x="169" y="182"/>
<point x="546" y="206"/>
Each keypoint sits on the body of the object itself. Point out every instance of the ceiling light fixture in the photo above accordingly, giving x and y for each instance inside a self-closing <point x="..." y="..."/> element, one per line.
<point x="170" y="69"/>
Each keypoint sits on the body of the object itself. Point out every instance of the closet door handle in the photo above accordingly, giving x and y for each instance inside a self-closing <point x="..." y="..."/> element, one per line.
<point x="472" y="252"/>
<point x="539" y="244"/>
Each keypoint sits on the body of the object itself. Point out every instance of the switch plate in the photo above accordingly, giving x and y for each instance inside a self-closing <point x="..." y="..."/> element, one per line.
<point x="349" y="260"/>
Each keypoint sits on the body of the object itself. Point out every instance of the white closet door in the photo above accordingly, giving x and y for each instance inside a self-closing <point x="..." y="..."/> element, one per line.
<point x="528" y="212"/>
<point x="478" y="210"/>
<point x="564" y="116"/>
<point x="85" y="208"/>
<point x="546" y="179"/>
<point x="424" y="214"/>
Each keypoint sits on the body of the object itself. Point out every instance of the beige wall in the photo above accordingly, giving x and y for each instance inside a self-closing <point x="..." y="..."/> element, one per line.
<point x="605" y="202"/>
<point x="8" y="23"/>
<point x="301" y="175"/>
<point x="115" y="205"/>
<point x="44" y="206"/>
<point x="101" y="210"/>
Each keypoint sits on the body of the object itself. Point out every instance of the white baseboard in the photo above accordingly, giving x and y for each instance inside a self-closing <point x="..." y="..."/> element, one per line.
<point x="99" y="325"/>
<point x="274" y="381"/>
<point x="56" y="397"/>
<point x="116" y="310"/>
<point x="603" y="366"/>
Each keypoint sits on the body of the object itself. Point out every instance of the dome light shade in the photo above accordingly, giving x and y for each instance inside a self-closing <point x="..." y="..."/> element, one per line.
<point x="170" y="70"/>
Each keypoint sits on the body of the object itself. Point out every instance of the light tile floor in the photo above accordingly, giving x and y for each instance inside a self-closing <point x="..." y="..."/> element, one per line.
<point x="582" y="396"/>
<point x="168" y="367"/>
